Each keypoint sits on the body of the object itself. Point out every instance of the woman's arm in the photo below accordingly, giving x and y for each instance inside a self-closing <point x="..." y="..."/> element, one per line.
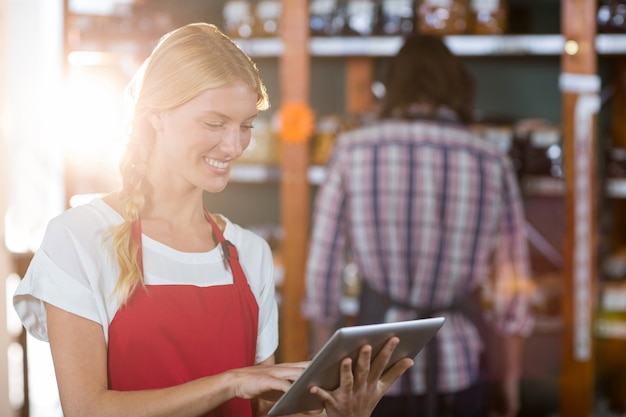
<point x="80" y="360"/>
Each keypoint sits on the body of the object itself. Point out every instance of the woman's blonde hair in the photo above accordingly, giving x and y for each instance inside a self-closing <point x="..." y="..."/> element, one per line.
<point x="185" y="62"/>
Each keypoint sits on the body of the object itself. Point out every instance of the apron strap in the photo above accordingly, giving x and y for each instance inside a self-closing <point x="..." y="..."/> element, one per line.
<point x="228" y="249"/>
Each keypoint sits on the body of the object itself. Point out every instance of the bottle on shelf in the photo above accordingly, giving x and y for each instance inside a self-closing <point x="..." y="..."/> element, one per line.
<point x="443" y="17"/>
<point x="543" y="156"/>
<point x="611" y="16"/>
<point x="360" y="17"/>
<point x="238" y="16"/>
<point x="267" y="18"/>
<point x="488" y="17"/>
<point x="616" y="163"/>
<point x="326" y="130"/>
<point x="327" y="17"/>
<point x="395" y="17"/>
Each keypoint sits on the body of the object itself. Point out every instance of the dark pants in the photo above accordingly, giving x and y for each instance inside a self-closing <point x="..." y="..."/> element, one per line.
<point x="466" y="403"/>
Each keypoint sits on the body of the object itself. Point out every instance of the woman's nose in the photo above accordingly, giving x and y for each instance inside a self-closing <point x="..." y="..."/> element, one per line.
<point x="232" y="143"/>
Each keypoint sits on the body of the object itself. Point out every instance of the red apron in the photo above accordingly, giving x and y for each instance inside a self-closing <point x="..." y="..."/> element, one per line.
<point x="166" y="335"/>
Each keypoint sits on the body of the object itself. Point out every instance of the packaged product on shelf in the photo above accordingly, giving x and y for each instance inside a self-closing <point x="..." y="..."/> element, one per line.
<point x="267" y="18"/>
<point x="614" y="267"/>
<point x="616" y="163"/>
<point x="360" y="17"/>
<point x="395" y="17"/>
<point x="443" y="17"/>
<point x="263" y="147"/>
<point x="326" y="17"/>
<point x="326" y="130"/>
<point x="488" y="17"/>
<point x="543" y="152"/>
<point x="611" y="16"/>
<point x="238" y="18"/>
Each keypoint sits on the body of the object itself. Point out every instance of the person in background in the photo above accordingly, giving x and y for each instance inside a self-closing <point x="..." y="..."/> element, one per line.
<point x="430" y="214"/>
<point x="152" y="305"/>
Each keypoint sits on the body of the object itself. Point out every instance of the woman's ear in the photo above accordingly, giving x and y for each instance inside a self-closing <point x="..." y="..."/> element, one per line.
<point x="156" y="120"/>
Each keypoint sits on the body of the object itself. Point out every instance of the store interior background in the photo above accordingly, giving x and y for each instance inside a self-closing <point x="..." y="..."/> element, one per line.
<point x="59" y="139"/>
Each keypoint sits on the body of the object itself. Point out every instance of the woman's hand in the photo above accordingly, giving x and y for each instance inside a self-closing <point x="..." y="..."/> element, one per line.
<point x="360" y="391"/>
<point x="266" y="381"/>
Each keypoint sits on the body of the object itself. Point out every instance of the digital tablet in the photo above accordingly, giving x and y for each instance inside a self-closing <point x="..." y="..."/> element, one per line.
<point x="323" y="370"/>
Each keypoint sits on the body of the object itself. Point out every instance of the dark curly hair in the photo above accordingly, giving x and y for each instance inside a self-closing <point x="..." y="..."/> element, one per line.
<point x="426" y="72"/>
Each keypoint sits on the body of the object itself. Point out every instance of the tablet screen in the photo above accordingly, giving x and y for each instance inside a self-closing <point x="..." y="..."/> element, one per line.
<point x="323" y="370"/>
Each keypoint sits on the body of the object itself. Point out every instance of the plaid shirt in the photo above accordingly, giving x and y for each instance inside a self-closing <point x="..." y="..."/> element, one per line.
<point x="429" y="212"/>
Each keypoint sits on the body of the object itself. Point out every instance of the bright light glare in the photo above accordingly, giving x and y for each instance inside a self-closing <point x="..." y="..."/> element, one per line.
<point x="91" y="115"/>
<point x="15" y="358"/>
<point x="14" y="325"/>
<point x="89" y="129"/>
<point x="85" y="58"/>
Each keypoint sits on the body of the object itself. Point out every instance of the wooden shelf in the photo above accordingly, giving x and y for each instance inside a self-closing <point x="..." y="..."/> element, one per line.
<point x="530" y="185"/>
<point x="254" y="173"/>
<point x="463" y="45"/>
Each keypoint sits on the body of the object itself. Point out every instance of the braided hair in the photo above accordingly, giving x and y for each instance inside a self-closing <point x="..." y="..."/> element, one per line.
<point x="185" y="62"/>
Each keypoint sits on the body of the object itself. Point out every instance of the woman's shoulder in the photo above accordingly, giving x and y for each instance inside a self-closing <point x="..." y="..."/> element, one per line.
<point x="240" y="236"/>
<point x="85" y="219"/>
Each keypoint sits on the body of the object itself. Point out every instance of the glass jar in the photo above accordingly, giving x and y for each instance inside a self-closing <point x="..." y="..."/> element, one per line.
<point x="395" y="17"/>
<point x="488" y="17"/>
<point x="443" y="17"/>
<point x="544" y="154"/>
<point x="611" y="16"/>
<point x="263" y="147"/>
<point x="238" y="19"/>
<point x="360" y="17"/>
<point x="326" y="130"/>
<point x="616" y="163"/>
<point x="326" y="17"/>
<point x="267" y="14"/>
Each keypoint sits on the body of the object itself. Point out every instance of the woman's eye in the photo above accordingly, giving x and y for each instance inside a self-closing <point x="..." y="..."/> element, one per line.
<point x="247" y="127"/>
<point x="213" y="125"/>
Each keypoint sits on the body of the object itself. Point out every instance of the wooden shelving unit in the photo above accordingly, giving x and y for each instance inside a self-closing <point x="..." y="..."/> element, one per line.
<point x="578" y="46"/>
<point x="294" y="50"/>
<point x="462" y="45"/>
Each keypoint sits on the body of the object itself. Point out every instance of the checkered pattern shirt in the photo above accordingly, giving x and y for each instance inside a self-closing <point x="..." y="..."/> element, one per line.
<point x="428" y="212"/>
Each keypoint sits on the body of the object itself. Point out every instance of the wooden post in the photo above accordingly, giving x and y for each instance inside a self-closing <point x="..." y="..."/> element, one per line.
<point x="359" y="78"/>
<point x="579" y="86"/>
<point x="294" y="82"/>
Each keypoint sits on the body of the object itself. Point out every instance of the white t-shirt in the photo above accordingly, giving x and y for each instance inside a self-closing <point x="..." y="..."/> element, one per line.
<point x="75" y="269"/>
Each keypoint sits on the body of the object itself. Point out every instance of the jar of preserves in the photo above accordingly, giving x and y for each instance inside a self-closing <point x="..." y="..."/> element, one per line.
<point x="360" y="17"/>
<point x="443" y="17"/>
<point x="326" y="17"/>
<point x="323" y="142"/>
<point x="263" y="146"/>
<point x="267" y="15"/>
<point x="611" y="16"/>
<point x="238" y="18"/>
<point x="488" y="17"/>
<point x="616" y="163"/>
<point x="395" y="17"/>
<point x="544" y="154"/>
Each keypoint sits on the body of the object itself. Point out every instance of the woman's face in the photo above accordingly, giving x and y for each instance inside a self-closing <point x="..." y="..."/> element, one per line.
<point x="199" y="141"/>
